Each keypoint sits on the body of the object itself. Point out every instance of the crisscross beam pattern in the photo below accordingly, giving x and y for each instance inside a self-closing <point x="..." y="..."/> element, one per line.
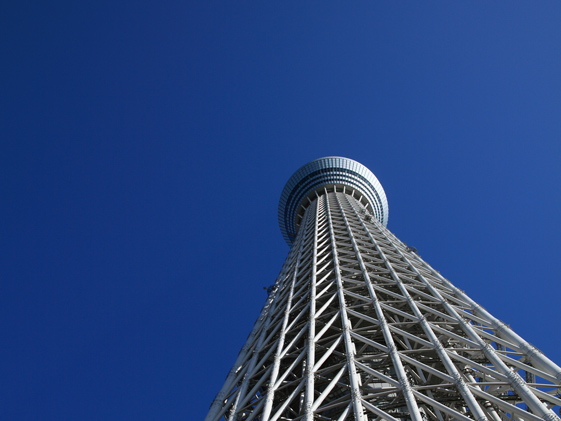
<point x="359" y="327"/>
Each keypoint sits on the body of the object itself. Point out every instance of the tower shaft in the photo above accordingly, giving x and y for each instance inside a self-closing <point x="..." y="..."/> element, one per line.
<point x="359" y="327"/>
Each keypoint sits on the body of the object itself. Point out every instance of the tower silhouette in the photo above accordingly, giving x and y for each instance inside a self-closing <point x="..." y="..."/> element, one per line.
<point x="358" y="327"/>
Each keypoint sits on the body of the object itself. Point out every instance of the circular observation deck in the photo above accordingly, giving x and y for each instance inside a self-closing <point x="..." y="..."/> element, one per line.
<point x="328" y="172"/>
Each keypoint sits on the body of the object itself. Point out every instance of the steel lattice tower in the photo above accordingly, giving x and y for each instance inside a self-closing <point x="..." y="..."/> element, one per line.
<point x="359" y="327"/>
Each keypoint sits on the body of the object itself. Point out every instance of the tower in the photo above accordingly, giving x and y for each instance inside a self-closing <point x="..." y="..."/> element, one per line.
<point x="358" y="327"/>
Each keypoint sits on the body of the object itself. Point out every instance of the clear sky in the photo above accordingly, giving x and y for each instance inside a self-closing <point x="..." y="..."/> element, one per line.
<point x="144" y="147"/>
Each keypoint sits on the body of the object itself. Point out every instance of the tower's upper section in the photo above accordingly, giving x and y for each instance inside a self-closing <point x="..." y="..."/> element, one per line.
<point x="327" y="172"/>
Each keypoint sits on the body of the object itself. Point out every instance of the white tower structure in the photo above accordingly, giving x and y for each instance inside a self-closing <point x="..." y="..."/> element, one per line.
<point x="359" y="327"/>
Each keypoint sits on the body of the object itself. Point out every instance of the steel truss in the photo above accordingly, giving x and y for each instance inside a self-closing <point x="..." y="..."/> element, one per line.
<point x="359" y="327"/>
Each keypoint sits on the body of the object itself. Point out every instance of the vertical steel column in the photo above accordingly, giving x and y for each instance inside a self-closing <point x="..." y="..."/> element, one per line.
<point x="310" y="390"/>
<point x="402" y="376"/>
<point x="274" y="374"/>
<point x="353" y="376"/>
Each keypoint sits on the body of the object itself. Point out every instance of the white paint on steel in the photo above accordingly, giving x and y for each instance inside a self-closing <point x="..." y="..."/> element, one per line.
<point x="358" y="326"/>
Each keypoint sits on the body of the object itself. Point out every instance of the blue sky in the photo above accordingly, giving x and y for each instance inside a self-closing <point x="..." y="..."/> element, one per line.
<point x="145" y="146"/>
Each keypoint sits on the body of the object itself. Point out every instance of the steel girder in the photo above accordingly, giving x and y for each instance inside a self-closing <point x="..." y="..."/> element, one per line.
<point x="359" y="327"/>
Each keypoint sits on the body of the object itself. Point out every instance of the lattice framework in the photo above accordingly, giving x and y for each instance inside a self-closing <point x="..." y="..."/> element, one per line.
<point x="359" y="327"/>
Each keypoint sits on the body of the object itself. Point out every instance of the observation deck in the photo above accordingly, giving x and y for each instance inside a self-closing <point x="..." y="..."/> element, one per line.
<point x="329" y="172"/>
